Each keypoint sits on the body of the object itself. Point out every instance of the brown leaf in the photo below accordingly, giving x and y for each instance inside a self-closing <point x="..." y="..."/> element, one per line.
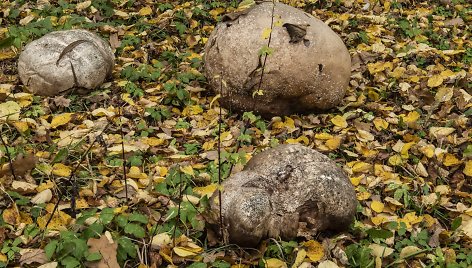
<point x="21" y="165"/>
<point x="107" y="249"/>
<point x="60" y="101"/>
<point x="30" y="255"/>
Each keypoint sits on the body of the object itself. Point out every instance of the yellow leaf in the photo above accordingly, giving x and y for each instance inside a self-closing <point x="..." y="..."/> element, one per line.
<point x="378" y="220"/>
<point x="323" y="136"/>
<point x="274" y="263"/>
<point x="333" y="143"/>
<point x="3" y="258"/>
<point x="9" y="111"/>
<point x="438" y="132"/>
<point x="409" y="250"/>
<point x="61" y="170"/>
<point x="314" y="250"/>
<point x="377" y="206"/>
<point x="145" y="11"/>
<point x="361" y="167"/>
<point x="300" y="139"/>
<point x="444" y="94"/>
<point x="266" y="33"/>
<point x="301" y="254"/>
<point x="206" y="190"/>
<point x="135" y="173"/>
<point x="405" y="148"/>
<point x="21" y="126"/>
<point x="427" y="150"/>
<point x="58" y="222"/>
<point x="184" y="252"/>
<point x="192" y="110"/>
<point x="411" y="117"/>
<point x="435" y="81"/>
<point x="339" y="121"/>
<point x="61" y="119"/>
<point x="127" y="99"/>
<point x="451" y="160"/>
<point x="468" y="168"/>
<point x="153" y="141"/>
<point x="356" y="180"/>
<point x="380" y="250"/>
<point x="379" y="67"/>
<point x="11" y="215"/>
<point x="395" y="160"/>
<point x="363" y="196"/>
<point x="380" y="123"/>
<point x="187" y="170"/>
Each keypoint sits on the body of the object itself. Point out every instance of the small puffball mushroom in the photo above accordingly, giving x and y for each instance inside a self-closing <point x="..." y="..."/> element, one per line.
<point x="285" y="192"/>
<point x="307" y="68"/>
<point x="62" y="60"/>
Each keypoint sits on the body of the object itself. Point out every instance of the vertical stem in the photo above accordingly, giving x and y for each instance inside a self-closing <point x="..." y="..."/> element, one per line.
<point x="123" y="155"/>
<point x="220" y="120"/>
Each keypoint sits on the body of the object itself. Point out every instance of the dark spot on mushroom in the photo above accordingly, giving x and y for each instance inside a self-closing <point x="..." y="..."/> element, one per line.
<point x="320" y="67"/>
<point x="306" y="42"/>
<point x="228" y="25"/>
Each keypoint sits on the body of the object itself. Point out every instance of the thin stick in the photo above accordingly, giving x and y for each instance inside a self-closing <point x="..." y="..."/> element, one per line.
<point x="123" y="154"/>
<point x="178" y="208"/>
<point x="12" y="169"/>
<point x="246" y="122"/>
<point x="59" y="198"/>
<point x="220" y="120"/>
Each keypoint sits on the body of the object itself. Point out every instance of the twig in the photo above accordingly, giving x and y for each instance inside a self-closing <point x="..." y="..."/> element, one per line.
<point x="178" y="208"/>
<point x="219" y="158"/>
<point x="59" y="198"/>
<point x="123" y="154"/>
<point x="12" y="169"/>
<point x="247" y="121"/>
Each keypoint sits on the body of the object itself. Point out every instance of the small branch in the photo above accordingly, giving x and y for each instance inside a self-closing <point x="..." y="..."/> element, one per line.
<point x="123" y="154"/>
<point x="178" y="208"/>
<point x="12" y="169"/>
<point x="220" y="120"/>
<point x="71" y="176"/>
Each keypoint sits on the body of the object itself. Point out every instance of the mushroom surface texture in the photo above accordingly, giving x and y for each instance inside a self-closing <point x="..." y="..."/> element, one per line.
<point x="276" y="60"/>
<point x="63" y="60"/>
<point x="285" y="192"/>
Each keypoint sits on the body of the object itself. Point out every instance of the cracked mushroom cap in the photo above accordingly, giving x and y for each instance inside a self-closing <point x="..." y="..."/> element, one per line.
<point x="62" y="60"/>
<point x="307" y="69"/>
<point x="285" y="192"/>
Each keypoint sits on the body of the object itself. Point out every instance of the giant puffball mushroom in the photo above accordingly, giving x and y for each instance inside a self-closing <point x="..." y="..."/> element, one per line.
<point x="285" y="192"/>
<point x="63" y="60"/>
<point x="307" y="70"/>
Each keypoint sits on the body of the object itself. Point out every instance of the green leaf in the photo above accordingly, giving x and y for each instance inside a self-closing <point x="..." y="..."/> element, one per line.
<point x="135" y="229"/>
<point x="70" y="262"/>
<point x="197" y="265"/>
<point x="95" y="256"/>
<point x="7" y="42"/>
<point x="50" y="248"/>
<point x="379" y="233"/>
<point x="456" y="223"/>
<point x="265" y="50"/>
<point x="138" y="218"/>
<point x="107" y="215"/>
<point x="121" y="220"/>
<point x="127" y="246"/>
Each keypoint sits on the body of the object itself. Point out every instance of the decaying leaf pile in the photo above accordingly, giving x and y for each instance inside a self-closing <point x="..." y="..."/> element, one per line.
<point x="403" y="134"/>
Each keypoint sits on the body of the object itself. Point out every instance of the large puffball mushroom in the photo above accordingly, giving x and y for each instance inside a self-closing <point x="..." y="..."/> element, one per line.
<point x="285" y="192"/>
<point x="62" y="60"/>
<point x="307" y="69"/>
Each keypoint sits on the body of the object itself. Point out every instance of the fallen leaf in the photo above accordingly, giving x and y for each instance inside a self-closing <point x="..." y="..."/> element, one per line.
<point x="107" y="248"/>
<point x="314" y="250"/>
<point x="61" y="119"/>
<point x="61" y="170"/>
<point x="9" y="111"/>
<point x="339" y="121"/>
<point x="30" y="255"/>
<point x="274" y="263"/>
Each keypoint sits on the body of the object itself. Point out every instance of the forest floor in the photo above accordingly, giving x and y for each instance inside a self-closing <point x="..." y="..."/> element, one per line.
<point x="403" y="134"/>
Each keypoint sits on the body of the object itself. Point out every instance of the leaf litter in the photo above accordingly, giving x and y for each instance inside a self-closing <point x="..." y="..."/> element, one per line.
<point x="402" y="133"/>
